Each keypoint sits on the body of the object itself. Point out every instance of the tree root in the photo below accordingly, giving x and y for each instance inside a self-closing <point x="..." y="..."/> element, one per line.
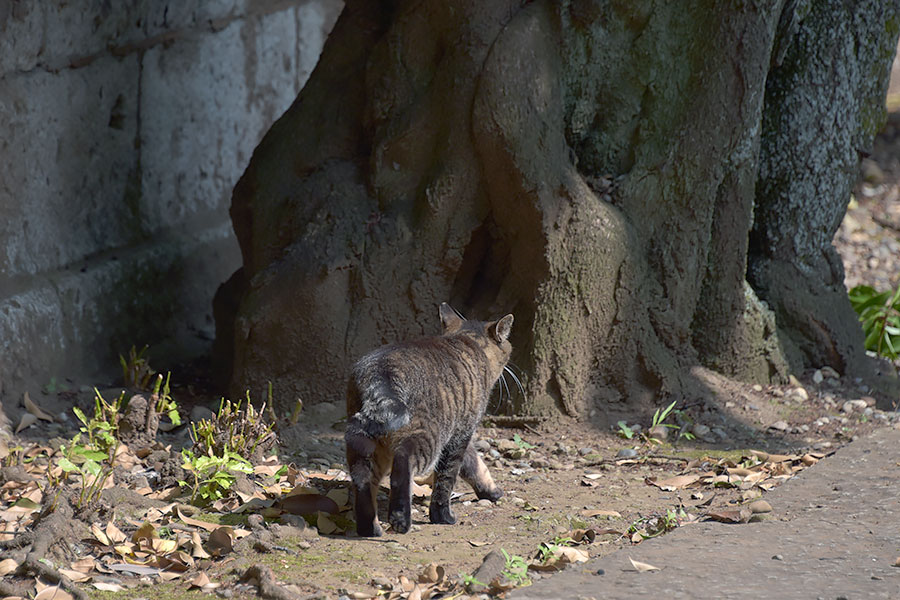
<point x="50" y="528"/>
<point x="35" y="566"/>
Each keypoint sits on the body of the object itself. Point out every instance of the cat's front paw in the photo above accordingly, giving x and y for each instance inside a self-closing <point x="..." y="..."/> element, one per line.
<point x="372" y="529"/>
<point x="442" y="515"/>
<point x="400" y="522"/>
<point x="493" y="494"/>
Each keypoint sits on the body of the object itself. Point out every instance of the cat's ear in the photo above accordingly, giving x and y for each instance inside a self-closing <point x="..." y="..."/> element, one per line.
<point x="502" y="329"/>
<point x="450" y="319"/>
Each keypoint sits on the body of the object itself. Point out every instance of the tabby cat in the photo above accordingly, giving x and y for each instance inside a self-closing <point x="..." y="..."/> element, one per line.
<point x="413" y="408"/>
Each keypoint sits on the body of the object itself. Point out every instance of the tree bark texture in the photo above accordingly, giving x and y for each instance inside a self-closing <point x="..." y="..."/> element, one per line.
<point x="606" y="171"/>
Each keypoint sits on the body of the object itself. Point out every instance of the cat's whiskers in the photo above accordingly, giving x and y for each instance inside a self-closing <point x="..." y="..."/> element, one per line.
<point x="512" y="374"/>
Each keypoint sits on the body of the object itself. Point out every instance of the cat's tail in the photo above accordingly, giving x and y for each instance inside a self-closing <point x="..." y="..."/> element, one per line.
<point x="381" y="412"/>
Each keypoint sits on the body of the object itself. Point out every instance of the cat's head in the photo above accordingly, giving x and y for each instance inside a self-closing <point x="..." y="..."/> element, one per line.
<point x="492" y="336"/>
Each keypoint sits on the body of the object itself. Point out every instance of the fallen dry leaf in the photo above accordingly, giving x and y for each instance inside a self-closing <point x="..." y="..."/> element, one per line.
<point x="308" y="504"/>
<point x="100" y="535"/>
<point x="221" y="541"/>
<point x="106" y="587"/>
<point x="601" y="513"/>
<point x="673" y="483"/>
<point x="197" y="550"/>
<point x="145" y="532"/>
<point x="560" y="557"/>
<point x="201" y="580"/>
<point x="325" y="525"/>
<point x="730" y="516"/>
<point x="114" y="534"/>
<point x="420" y="490"/>
<point x="76" y="576"/>
<point x="27" y="420"/>
<point x="477" y="544"/>
<point x="341" y="497"/>
<point x="53" y="593"/>
<point x="84" y="565"/>
<point x="197" y="522"/>
<point x="432" y="573"/>
<point x="642" y="567"/>
<point x="34" y="409"/>
<point x="7" y="566"/>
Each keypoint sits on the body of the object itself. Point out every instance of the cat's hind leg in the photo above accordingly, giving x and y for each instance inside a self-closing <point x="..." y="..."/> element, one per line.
<point x="366" y="473"/>
<point x="411" y="457"/>
<point x="475" y="473"/>
<point x="445" y="473"/>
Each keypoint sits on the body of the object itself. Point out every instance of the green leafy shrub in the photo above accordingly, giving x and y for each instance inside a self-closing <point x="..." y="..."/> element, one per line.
<point x="879" y="313"/>
<point x="212" y="475"/>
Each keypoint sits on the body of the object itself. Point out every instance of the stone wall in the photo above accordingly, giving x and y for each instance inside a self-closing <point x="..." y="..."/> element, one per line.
<point x="124" y="125"/>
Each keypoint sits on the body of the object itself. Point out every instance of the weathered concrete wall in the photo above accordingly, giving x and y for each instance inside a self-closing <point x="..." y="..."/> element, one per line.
<point x="124" y="125"/>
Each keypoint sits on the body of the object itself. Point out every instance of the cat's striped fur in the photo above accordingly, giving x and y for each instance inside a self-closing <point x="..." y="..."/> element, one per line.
<point x="413" y="408"/>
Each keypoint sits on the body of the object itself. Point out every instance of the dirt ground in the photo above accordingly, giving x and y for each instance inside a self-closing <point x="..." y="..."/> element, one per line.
<point x="562" y="478"/>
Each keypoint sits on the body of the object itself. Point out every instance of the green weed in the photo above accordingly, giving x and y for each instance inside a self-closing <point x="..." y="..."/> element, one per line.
<point x="879" y="314"/>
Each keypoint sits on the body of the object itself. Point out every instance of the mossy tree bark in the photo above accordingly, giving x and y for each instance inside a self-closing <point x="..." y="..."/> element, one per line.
<point x="592" y="167"/>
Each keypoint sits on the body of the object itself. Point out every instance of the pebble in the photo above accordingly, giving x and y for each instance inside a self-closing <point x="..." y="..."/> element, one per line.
<point x="778" y="557"/>
<point x="830" y="373"/>
<point x="757" y="388"/>
<point x="493" y="454"/>
<point x="753" y="406"/>
<point x="626" y="453"/>
<point x="504" y="445"/>
<point x="760" y="506"/>
<point x="200" y="412"/>
<point x="794" y="381"/>
<point x="700" y="430"/>
<point x="485" y="503"/>
<point x="659" y="432"/>
<point x="540" y="463"/>
<point x="800" y="393"/>
<point x="817" y="376"/>
<point x="720" y="433"/>
<point x="585" y="451"/>
<point x="482" y="446"/>
<point x="382" y="582"/>
<point x="516" y="501"/>
<point x="779" y="425"/>
<point x="778" y="393"/>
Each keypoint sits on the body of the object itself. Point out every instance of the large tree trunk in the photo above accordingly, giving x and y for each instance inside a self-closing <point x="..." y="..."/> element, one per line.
<point x="592" y="167"/>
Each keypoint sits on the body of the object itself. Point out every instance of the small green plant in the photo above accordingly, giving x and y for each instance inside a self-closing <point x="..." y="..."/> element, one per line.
<point x="548" y="550"/>
<point x="136" y="371"/>
<point x="468" y="580"/>
<point x="93" y="460"/>
<point x="102" y="429"/>
<point x="653" y="526"/>
<point x="212" y="475"/>
<point x="164" y="402"/>
<point x="237" y="427"/>
<point x="659" y="420"/>
<point x="516" y="569"/>
<point x="661" y="415"/>
<point x="879" y="314"/>
<point x="517" y="439"/>
<point x="625" y="431"/>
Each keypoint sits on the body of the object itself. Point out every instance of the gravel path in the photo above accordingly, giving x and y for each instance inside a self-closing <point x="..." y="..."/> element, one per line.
<point x="834" y="533"/>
